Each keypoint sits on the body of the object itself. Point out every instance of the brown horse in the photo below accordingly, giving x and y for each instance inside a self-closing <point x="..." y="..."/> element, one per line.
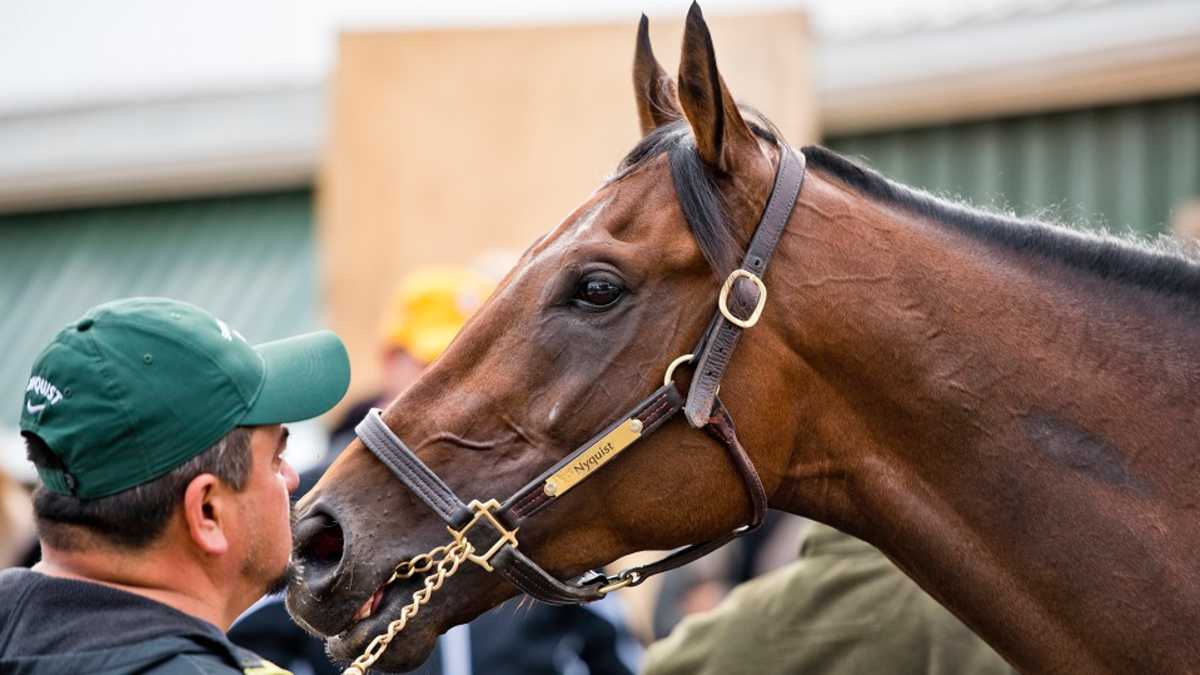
<point x="1003" y="407"/>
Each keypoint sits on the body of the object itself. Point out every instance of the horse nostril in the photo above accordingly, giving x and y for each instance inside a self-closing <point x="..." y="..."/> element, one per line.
<point x="319" y="540"/>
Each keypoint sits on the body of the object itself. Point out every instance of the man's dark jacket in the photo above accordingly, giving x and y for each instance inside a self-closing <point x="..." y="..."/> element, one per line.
<point x="50" y="626"/>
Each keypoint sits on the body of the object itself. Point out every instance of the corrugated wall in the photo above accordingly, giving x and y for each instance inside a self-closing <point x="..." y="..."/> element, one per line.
<point x="1119" y="167"/>
<point x="250" y="260"/>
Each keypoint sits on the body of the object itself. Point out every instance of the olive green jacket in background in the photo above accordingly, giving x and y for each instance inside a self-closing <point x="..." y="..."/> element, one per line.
<point x="842" y="609"/>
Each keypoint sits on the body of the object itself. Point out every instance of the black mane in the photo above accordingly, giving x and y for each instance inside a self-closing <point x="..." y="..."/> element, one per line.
<point x="1107" y="256"/>
<point x="1104" y="255"/>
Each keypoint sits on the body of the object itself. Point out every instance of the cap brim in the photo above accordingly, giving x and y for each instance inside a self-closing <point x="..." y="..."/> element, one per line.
<point x="304" y="376"/>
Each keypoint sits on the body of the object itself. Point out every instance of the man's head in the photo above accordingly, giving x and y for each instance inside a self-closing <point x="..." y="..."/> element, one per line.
<point x="154" y="424"/>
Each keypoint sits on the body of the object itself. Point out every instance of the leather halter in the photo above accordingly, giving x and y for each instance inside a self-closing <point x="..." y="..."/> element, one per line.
<point x="703" y="409"/>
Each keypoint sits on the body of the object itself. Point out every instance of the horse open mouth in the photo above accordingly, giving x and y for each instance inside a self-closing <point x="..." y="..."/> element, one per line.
<point x="372" y="619"/>
<point x="368" y="608"/>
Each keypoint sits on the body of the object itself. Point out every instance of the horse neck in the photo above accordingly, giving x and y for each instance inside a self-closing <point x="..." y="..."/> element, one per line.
<point x="1007" y="431"/>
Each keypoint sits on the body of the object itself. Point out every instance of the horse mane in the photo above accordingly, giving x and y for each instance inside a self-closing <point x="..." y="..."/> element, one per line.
<point x="1164" y="266"/>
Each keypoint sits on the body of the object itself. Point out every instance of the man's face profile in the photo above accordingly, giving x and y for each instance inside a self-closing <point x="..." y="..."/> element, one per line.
<point x="265" y="509"/>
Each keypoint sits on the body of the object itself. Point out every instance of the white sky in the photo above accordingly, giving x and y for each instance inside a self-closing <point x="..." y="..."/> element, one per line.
<point x="57" y="53"/>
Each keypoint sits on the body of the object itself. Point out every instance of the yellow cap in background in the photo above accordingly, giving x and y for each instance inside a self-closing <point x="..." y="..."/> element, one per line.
<point x="430" y="306"/>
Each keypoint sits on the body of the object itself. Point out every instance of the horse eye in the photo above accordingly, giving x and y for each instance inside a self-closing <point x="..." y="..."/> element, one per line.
<point x="597" y="292"/>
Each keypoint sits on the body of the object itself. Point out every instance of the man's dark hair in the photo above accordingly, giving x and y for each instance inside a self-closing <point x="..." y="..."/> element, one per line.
<point x="136" y="517"/>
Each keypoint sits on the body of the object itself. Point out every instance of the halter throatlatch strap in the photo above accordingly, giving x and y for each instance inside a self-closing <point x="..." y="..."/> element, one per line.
<point x="719" y="341"/>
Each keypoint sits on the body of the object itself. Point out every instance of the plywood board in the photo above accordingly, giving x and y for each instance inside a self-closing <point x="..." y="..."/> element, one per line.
<point x="445" y="144"/>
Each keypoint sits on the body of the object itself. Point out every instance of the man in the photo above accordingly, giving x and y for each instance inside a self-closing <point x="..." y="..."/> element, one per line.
<point x="427" y="310"/>
<point x="163" y="510"/>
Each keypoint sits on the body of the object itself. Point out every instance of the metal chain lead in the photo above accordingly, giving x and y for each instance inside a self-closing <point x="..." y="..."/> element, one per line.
<point x="451" y="557"/>
<point x="444" y="561"/>
<point x="419" y="564"/>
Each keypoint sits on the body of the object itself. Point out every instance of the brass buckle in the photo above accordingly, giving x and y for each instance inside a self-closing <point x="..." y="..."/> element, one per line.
<point x="483" y="511"/>
<point x="723" y="299"/>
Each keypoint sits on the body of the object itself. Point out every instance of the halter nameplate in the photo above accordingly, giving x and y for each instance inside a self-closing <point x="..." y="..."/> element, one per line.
<point x="597" y="455"/>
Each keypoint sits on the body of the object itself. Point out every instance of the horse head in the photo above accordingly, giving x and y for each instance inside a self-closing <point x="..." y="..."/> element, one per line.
<point x="581" y="330"/>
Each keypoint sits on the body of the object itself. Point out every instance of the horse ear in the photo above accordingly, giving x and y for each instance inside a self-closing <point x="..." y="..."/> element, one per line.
<point x="655" y="92"/>
<point x="721" y="133"/>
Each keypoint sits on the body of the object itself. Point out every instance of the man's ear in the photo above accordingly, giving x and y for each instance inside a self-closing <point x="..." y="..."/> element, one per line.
<point x="205" y="512"/>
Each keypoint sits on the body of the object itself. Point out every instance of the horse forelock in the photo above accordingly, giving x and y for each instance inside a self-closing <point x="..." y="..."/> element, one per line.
<point x="696" y="189"/>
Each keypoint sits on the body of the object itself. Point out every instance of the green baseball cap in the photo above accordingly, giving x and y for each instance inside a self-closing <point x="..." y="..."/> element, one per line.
<point x="139" y="386"/>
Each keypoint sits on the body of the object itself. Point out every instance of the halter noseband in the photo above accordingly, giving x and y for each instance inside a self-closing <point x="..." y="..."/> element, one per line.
<point x="495" y="547"/>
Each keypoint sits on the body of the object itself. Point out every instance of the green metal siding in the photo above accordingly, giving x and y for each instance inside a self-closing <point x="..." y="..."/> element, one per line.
<point x="248" y="259"/>
<point x="1122" y="167"/>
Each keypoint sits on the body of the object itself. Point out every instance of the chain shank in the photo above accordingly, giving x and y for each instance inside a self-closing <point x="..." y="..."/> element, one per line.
<point x="452" y="557"/>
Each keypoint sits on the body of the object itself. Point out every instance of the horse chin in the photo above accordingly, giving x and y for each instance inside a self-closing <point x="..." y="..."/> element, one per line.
<point x="404" y="654"/>
<point x="330" y="618"/>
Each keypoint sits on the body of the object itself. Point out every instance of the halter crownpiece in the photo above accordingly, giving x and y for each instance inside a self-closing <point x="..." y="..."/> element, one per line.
<point x="485" y="533"/>
<point x="721" y="338"/>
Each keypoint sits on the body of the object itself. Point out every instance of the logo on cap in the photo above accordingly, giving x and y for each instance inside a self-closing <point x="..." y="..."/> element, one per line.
<point x="42" y="387"/>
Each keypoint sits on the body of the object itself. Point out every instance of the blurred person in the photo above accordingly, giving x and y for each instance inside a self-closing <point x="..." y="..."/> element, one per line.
<point x="428" y="308"/>
<point x="18" y="538"/>
<point x="1185" y="220"/>
<point x="703" y="584"/>
<point x="843" y="608"/>
<point x="157" y="434"/>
